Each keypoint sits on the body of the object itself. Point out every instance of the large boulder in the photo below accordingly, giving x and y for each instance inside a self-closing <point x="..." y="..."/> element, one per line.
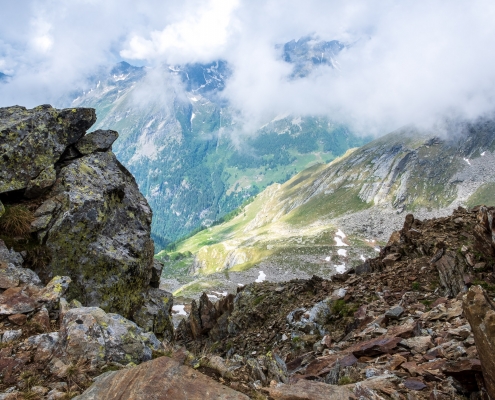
<point x="32" y="141"/>
<point x="479" y="310"/>
<point x="99" y="233"/>
<point x="160" y="379"/>
<point x="90" y="334"/>
<point x="91" y="222"/>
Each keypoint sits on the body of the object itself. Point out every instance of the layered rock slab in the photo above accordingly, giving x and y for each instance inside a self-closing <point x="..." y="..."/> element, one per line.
<point x="160" y="379"/>
<point x="480" y="312"/>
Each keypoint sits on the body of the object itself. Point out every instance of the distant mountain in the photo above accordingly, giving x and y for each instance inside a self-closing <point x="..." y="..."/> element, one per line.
<point x="331" y="217"/>
<point x="180" y="139"/>
<point x="308" y="53"/>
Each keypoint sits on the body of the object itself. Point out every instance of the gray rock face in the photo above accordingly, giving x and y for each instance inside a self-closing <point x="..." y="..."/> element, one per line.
<point x="100" y="140"/>
<point x="155" y="313"/>
<point x="91" y="334"/>
<point x="100" y="234"/>
<point x="33" y="140"/>
<point x="93" y="225"/>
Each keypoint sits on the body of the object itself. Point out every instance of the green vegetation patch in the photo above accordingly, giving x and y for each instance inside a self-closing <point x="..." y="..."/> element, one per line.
<point x="485" y="195"/>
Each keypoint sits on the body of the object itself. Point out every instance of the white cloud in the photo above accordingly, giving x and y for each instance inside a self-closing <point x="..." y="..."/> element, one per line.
<point x="199" y="36"/>
<point x="409" y="61"/>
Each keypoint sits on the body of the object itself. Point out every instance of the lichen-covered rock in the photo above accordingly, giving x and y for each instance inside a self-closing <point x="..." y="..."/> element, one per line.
<point x="100" y="140"/>
<point x="12" y="276"/>
<point x="33" y="140"/>
<point x="37" y="186"/>
<point x="88" y="333"/>
<point x="155" y="313"/>
<point x="100" y="234"/>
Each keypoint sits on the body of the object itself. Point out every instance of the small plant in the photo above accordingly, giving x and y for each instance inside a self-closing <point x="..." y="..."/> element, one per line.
<point x="16" y="221"/>
<point x="426" y="302"/>
<point x="345" y="380"/>
<point x="339" y="307"/>
<point x="38" y="257"/>
<point x="416" y="286"/>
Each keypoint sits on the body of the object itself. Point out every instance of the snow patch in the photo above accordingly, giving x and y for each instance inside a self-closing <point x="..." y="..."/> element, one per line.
<point x="327" y="259"/>
<point x="179" y="309"/>
<point x="261" y="277"/>
<point x="482" y="154"/>
<point x="341" y="234"/>
<point x="340" y="268"/>
<point x="467" y="160"/>
<point x="342" y="252"/>
<point x="223" y="294"/>
<point x="362" y="257"/>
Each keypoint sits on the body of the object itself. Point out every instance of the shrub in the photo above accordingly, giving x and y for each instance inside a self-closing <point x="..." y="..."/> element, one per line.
<point x="16" y="221"/>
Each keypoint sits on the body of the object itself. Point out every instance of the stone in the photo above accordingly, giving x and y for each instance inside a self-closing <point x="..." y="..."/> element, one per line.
<point x="309" y="390"/>
<point x="33" y="140"/>
<point x="12" y="335"/>
<point x="2" y="209"/>
<point x="414" y="384"/>
<point x="100" y="234"/>
<point x="155" y="314"/>
<point x="39" y="185"/>
<point x="99" y="140"/>
<point x="10" y="256"/>
<point x="42" y="319"/>
<point x="160" y="379"/>
<point x="45" y="345"/>
<point x="156" y="274"/>
<point x="91" y="334"/>
<point x="395" y="312"/>
<point x="54" y="290"/>
<point x="14" y="301"/>
<point x="374" y="347"/>
<point x="391" y="259"/>
<point x="418" y="344"/>
<point x="18" y="319"/>
<point x="479" y="310"/>
<point x="465" y="372"/>
<point x="451" y="274"/>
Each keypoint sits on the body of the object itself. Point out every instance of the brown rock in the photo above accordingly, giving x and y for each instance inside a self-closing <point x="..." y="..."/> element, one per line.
<point x="160" y="379"/>
<point x="374" y="347"/>
<point x="13" y="301"/>
<point x="309" y="390"/>
<point x="7" y="279"/>
<point x="480" y="312"/>
<point x="465" y="372"/>
<point x="414" y="384"/>
<point x="451" y="273"/>
<point x="391" y="259"/>
<point x="42" y="319"/>
<point x="18" y="319"/>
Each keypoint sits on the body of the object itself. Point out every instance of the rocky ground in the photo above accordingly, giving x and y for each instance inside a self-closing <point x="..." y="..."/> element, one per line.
<point x="395" y="327"/>
<point x="81" y="315"/>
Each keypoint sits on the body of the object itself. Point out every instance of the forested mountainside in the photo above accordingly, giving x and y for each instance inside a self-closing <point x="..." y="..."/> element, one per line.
<point x="330" y="217"/>
<point x="191" y="154"/>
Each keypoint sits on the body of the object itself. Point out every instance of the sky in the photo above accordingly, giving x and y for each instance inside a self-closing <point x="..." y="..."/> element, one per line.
<point x="407" y="61"/>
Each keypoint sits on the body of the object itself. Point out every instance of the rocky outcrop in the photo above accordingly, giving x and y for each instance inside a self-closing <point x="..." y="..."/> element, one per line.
<point x="90" y="222"/>
<point x="480" y="312"/>
<point x="90" y="335"/>
<point x="396" y="330"/>
<point x="32" y="141"/>
<point x="160" y="379"/>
